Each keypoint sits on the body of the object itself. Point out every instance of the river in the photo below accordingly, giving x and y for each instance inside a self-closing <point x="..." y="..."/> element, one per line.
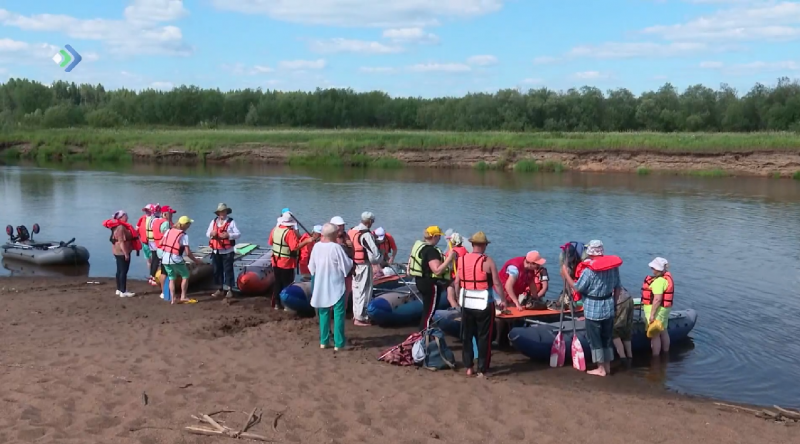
<point x="732" y="243"/>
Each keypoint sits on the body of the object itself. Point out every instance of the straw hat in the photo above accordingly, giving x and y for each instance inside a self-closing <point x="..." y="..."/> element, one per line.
<point x="479" y="238"/>
<point x="222" y="207"/>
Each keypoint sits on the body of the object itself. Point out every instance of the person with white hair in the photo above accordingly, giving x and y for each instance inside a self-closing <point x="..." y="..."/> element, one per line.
<point x="658" y="292"/>
<point x="329" y="265"/>
<point x="599" y="286"/>
<point x="365" y="255"/>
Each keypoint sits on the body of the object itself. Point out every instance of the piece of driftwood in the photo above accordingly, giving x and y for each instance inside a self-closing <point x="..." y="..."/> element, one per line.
<point x="220" y="430"/>
<point x="787" y="413"/>
<point x="275" y="421"/>
<point x="782" y="414"/>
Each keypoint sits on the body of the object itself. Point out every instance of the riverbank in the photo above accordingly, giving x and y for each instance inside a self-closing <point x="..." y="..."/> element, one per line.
<point x="705" y="154"/>
<point x="82" y="365"/>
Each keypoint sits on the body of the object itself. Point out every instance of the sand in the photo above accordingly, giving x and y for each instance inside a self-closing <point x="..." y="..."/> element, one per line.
<point x="75" y="361"/>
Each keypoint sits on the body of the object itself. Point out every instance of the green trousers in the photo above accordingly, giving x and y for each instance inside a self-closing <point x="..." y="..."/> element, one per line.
<point x="339" y="309"/>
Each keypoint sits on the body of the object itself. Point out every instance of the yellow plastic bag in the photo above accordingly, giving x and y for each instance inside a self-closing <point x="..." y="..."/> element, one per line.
<point x="654" y="329"/>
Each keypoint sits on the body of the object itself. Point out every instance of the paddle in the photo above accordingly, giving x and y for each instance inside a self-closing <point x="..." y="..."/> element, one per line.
<point x="559" y="349"/>
<point x="578" y="359"/>
<point x="410" y="288"/>
<point x="301" y="224"/>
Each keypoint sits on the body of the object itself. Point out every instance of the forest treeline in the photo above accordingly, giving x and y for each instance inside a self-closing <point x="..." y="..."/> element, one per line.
<point x="29" y="104"/>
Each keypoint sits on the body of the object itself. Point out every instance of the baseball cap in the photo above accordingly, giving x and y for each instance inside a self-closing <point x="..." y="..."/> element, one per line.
<point x="535" y="258"/>
<point x="380" y="233"/>
<point x="183" y="220"/>
<point x="318" y="229"/>
<point x="337" y="220"/>
<point x="433" y="230"/>
<point x="167" y="209"/>
<point x="285" y="210"/>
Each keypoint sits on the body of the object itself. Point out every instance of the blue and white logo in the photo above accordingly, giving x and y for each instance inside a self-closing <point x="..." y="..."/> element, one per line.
<point x="69" y="58"/>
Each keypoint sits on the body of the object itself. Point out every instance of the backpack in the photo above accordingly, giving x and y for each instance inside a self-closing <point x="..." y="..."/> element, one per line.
<point x="438" y="355"/>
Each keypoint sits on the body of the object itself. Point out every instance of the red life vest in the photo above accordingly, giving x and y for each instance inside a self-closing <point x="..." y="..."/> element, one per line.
<point x="359" y="252"/>
<point x="216" y="243"/>
<point x="601" y="263"/>
<point x="142" y="226"/>
<point x="156" y="227"/>
<point x="669" y="293"/>
<point x="461" y="252"/>
<point x="471" y="272"/>
<point x="526" y="279"/>
<point x="136" y="244"/>
<point x="170" y="243"/>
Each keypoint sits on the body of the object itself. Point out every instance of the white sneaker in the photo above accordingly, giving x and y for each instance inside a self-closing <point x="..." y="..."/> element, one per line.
<point x="127" y="294"/>
<point x="162" y="296"/>
<point x="119" y="293"/>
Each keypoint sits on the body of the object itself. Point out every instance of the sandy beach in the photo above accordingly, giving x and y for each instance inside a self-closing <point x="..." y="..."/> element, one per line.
<point x="80" y="365"/>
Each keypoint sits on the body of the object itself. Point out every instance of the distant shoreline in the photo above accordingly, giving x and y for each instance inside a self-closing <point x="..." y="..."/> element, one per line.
<point x="773" y="154"/>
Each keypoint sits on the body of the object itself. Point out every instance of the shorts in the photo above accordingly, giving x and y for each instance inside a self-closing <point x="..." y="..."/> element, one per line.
<point x="146" y="251"/>
<point x="175" y="270"/>
<point x="623" y="320"/>
<point x="662" y="315"/>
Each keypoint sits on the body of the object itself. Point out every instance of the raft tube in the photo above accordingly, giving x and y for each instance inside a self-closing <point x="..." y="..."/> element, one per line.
<point x="399" y="307"/>
<point x="46" y="253"/>
<point x="449" y="320"/>
<point x="536" y="341"/>
<point x="197" y="274"/>
<point x="297" y="298"/>
<point x="256" y="278"/>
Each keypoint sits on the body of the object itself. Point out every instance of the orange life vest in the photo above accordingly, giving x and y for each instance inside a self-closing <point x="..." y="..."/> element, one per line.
<point x="601" y="263"/>
<point x="142" y="228"/>
<point x="217" y="243"/>
<point x="471" y="272"/>
<point x="669" y="293"/>
<point x="156" y="227"/>
<point x="136" y="245"/>
<point x="359" y="252"/>
<point x="170" y="243"/>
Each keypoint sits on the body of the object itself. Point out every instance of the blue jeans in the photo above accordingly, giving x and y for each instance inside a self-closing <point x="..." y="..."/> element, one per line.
<point x="600" y="334"/>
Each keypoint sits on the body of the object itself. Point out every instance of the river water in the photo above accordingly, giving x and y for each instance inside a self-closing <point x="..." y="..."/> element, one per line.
<point x="732" y="243"/>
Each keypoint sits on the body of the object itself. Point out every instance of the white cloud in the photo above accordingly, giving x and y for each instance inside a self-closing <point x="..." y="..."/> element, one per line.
<point x="590" y="75"/>
<point x="14" y="51"/>
<point x="622" y="50"/>
<point x="763" y="21"/>
<point x="338" y="45"/>
<point x="440" y="67"/>
<point x="410" y="35"/>
<point x="482" y="60"/>
<point x="377" y="69"/>
<point x="240" y="69"/>
<point x="544" y="60"/>
<point x="711" y="65"/>
<point x="162" y="85"/>
<point x="363" y="13"/>
<point x="140" y="32"/>
<point x="295" y="65"/>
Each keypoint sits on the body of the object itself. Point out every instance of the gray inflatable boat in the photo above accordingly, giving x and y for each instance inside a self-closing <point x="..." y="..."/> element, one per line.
<point x="23" y="248"/>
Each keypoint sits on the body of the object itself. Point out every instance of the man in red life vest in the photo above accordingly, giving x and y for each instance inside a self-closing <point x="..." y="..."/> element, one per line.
<point x="599" y="286"/>
<point x="524" y="276"/>
<point x="365" y="255"/>
<point x="476" y="276"/>
<point x="141" y="228"/>
<point x="222" y="234"/>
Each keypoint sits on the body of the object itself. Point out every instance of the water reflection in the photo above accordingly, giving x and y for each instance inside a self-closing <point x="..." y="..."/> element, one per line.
<point x="731" y="242"/>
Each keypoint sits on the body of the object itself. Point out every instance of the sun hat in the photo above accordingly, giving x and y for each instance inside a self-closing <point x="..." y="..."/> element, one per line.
<point x="287" y="220"/>
<point x="222" y="207"/>
<point x="455" y="239"/>
<point x="380" y="233"/>
<point x="658" y="264"/>
<point x="184" y="220"/>
<point x="337" y="220"/>
<point x="318" y="229"/>
<point x="479" y="238"/>
<point x="535" y="258"/>
<point x="167" y="209"/>
<point x="149" y="208"/>
<point x="595" y="248"/>
<point x="433" y="230"/>
<point x="119" y="214"/>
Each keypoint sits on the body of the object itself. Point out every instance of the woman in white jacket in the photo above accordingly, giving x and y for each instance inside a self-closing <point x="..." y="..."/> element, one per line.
<point x="329" y="266"/>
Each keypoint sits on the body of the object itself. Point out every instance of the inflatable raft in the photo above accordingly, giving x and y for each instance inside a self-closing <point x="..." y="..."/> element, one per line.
<point x="535" y="341"/>
<point x="23" y="248"/>
<point x="399" y="306"/>
<point x="297" y="298"/>
<point x="449" y="320"/>
<point x="257" y="277"/>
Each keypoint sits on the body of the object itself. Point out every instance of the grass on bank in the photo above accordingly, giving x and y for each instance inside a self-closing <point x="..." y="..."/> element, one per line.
<point x="350" y="141"/>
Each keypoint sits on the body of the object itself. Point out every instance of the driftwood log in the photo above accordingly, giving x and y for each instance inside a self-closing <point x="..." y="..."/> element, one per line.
<point x="782" y="414"/>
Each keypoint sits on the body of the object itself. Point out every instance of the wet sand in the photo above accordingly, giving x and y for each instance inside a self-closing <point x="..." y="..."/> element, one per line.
<point x="75" y="361"/>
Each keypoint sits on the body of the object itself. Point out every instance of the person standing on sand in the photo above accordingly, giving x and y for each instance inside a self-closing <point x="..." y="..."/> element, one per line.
<point x="431" y="271"/>
<point x="175" y="244"/>
<point x="222" y="234"/>
<point x="329" y="266"/>
<point x="476" y="277"/>
<point x="599" y="286"/>
<point x="142" y="226"/>
<point x="285" y="244"/>
<point x="124" y="240"/>
<point x="164" y="224"/>
<point x="365" y="255"/>
<point x="343" y="240"/>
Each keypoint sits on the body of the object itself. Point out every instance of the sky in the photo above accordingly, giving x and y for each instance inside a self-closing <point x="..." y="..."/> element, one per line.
<point x="427" y="48"/>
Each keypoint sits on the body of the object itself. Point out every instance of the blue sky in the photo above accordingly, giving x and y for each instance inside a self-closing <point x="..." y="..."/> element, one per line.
<point x="405" y="47"/>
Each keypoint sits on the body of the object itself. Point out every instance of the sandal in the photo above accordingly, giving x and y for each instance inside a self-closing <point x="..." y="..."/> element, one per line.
<point x="187" y="301"/>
